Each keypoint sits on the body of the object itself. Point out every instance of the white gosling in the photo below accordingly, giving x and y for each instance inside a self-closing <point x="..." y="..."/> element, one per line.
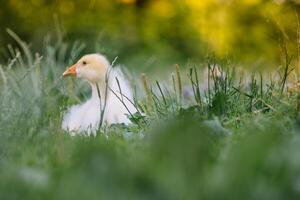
<point x="86" y="117"/>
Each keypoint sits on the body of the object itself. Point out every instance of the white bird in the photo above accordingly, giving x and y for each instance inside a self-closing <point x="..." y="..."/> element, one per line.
<point x="107" y="102"/>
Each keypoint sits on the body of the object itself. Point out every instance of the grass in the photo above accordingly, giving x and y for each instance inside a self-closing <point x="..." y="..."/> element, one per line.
<point x="237" y="139"/>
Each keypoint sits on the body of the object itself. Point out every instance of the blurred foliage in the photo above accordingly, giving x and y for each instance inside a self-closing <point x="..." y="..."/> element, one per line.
<point x="236" y="140"/>
<point x="144" y="31"/>
<point x="244" y="145"/>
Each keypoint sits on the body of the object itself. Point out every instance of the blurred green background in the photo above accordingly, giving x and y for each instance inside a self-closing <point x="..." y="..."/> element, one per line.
<point x="148" y="33"/>
<point x="240" y="140"/>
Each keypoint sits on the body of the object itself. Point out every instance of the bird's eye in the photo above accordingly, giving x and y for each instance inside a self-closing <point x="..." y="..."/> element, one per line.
<point x="84" y="63"/>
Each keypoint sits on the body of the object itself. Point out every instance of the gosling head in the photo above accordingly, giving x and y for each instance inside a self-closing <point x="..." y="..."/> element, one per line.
<point x="91" y="67"/>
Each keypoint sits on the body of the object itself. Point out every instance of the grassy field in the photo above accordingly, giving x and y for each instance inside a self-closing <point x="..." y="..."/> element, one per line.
<point x="237" y="139"/>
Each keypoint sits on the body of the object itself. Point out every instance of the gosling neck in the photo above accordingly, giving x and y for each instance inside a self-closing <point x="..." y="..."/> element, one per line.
<point x="98" y="88"/>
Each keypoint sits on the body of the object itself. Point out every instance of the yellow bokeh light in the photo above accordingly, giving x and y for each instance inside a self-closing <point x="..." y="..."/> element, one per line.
<point x="163" y="8"/>
<point x="251" y="2"/>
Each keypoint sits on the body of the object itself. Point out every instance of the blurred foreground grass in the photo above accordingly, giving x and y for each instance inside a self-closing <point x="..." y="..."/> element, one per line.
<point x="235" y="140"/>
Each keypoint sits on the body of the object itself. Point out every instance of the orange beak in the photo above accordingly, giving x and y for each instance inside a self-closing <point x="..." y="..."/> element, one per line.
<point x="70" y="71"/>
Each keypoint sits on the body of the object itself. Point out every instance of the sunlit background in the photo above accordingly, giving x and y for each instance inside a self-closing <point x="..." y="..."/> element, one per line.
<point x="158" y="31"/>
<point x="227" y="136"/>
